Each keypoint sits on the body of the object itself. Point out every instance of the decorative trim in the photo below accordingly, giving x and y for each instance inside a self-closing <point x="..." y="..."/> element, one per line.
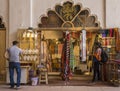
<point x="69" y="15"/>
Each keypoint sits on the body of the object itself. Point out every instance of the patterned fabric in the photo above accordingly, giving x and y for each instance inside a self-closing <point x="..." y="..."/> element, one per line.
<point x="66" y="71"/>
<point x="43" y="51"/>
<point x="117" y="39"/>
<point x="60" y="46"/>
<point x="72" y="58"/>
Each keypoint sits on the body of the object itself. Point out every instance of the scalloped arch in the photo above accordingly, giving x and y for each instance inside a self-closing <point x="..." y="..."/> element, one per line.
<point x="69" y="15"/>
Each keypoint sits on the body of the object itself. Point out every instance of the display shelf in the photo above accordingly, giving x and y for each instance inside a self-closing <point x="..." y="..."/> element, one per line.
<point x="108" y="37"/>
<point x="108" y="46"/>
<point x="28" y="42"/>
<point x="24" y="75"/>
<point x="108" y="41"/>
<point x="113" y="73"/>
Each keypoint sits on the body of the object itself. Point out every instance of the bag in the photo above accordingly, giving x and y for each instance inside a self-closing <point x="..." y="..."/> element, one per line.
<point x="95" y="59"/>
<point x="104" y="57"/>
<point x="97" y="56"/>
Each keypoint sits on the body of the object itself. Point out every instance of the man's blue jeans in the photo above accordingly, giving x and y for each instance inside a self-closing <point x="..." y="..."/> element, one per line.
<point x="16" y="66"/>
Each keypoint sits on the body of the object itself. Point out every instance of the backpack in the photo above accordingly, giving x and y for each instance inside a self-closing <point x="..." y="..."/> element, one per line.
<point x="104" y="56"/>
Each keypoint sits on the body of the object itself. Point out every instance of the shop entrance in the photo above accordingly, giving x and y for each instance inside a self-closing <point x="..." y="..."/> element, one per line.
<point x="54" y="49"/>
<point x="73" y="19"/>
<point x="63" y="42"/>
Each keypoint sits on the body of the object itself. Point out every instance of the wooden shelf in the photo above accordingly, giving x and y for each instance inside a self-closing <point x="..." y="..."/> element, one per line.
<point x="108" y="45"/>
<point x="29" y="46"/>
<point x="112" y="53"/>
<point x="27" y="61"/>
<point x="108" y="38"/>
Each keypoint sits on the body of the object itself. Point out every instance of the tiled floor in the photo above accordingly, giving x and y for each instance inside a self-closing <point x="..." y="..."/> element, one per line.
<point x="60" y="88"/>
<point x="76" y="84"/>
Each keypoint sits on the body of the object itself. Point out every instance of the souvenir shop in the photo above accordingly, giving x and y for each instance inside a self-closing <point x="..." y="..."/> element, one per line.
<point x="63" y="45"/>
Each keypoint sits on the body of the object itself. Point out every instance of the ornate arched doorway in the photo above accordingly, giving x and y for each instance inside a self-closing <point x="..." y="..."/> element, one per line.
<point x="71" y="17"/>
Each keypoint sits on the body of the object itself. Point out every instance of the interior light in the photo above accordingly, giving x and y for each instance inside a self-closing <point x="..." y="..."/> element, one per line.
<point x="24" y="34"/>
<point x="28" y="34"/>
<point x="32" y="35"/>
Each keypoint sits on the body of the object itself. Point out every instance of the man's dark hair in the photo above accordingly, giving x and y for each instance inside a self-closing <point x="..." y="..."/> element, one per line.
<point x="15" y="42"/>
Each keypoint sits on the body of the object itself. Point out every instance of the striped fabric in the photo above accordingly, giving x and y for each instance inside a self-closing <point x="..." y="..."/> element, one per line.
<point x="66" y="71"/>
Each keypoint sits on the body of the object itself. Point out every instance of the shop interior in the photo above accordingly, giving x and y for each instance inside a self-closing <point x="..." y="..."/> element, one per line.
<point x="43" y="52"/>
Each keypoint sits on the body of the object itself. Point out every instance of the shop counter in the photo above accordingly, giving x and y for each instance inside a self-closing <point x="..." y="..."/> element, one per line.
<point x="24" y="75"/>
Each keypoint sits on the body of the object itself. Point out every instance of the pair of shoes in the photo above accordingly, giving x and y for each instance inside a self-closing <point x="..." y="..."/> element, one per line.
<point x="18" y="87"/>
<point x="11" y="87"/>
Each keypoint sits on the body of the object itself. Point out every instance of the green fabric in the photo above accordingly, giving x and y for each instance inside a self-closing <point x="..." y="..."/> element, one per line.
<point x="72" y="58"/>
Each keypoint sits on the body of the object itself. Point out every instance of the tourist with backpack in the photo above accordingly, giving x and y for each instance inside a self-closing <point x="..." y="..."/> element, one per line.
<point x="96" y="62"/>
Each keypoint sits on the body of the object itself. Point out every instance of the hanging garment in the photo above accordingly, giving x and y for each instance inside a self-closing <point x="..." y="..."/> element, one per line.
<point x="60" y="46"/>
<point x="72" y="58"/>
<point x="65" y="64"/>
<point x="111" y="34"/>
<point x="76" y="55"/>
<point x="43" y="51"/>
<point x="117" y="39"/>
<point x="56" y="51"/>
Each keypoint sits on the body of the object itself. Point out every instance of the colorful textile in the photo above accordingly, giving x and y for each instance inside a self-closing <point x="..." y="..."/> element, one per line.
<point x="66" y="71"/>
<point x="43" y="51"/>
<point x="60" y="46"/>
<point x="72" y="58"/>
<point x="117" y="39"/>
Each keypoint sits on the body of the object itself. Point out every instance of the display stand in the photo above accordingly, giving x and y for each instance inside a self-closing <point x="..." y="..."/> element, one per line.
<point x="28" y="43"/>
<point x="114" y="73"/>
<point x="107" y="38"/>
<point x="24" y="75"/>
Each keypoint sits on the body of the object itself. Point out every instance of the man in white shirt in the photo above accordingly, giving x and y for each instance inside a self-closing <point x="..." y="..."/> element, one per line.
<point x="14" y="63"/>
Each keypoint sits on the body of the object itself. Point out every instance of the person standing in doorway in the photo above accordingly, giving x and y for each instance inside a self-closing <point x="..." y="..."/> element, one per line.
<point x="14" y="63"/>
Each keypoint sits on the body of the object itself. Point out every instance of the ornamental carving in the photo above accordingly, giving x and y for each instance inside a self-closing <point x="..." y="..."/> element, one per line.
<point x="69" y="15"/>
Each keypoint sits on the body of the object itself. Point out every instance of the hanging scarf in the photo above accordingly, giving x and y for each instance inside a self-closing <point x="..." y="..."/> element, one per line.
<point x="65" y="71"/>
